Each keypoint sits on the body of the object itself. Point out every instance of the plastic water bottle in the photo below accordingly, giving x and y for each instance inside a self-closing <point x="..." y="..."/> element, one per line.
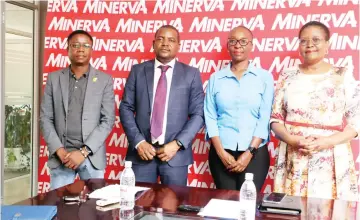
<point x="127" y="179"/>
<point x="248" y="198"/>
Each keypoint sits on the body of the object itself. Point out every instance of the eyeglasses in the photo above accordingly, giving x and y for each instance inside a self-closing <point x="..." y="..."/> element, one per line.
<point x="243" y="42"/>
<point x="314" y="40"/>
<point x="78" y="45"/>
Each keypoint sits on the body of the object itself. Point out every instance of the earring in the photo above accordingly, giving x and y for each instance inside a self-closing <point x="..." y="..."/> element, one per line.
<point x="326" y="51"/>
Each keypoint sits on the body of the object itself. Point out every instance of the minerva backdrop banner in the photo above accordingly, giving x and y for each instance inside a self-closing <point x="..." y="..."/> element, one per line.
<point x="123" y="32"/>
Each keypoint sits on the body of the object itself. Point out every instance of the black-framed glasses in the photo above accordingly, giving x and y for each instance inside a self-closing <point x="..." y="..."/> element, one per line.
<point x="314" y="40"/>
<point x="78" y="45"/>
<point x="242" y="42"/>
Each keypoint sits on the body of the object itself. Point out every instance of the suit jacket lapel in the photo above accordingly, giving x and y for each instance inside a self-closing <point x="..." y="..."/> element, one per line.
<point x="149" y="73"/>
<point x="64" y="84"/>
<point x="176" y="78"/>
<point x="90" y="89"/>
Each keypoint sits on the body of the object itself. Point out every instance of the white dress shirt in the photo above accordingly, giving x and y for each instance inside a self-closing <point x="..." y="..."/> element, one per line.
<point x="157" y="74"/>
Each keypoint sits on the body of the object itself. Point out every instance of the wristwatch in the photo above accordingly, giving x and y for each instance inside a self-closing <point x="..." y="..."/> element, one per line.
<point x="84" y="151"/>
<point x="180" y="144"/>
<point x="252" y="150"/>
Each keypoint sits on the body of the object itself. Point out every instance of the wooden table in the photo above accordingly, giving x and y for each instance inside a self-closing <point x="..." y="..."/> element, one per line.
<point x="164" y="200"/>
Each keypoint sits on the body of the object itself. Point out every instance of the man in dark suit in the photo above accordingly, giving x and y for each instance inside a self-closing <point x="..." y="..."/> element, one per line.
<point x="77" y="114"/>
<point x="161" y="112"/>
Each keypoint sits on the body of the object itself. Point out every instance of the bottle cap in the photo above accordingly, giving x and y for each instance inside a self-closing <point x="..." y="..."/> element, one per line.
<point x="128" y="164"/>
<point x="249" y="176"/>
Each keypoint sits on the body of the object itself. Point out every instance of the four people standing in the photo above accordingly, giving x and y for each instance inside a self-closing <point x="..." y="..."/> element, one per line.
<point x="163" y="108"/>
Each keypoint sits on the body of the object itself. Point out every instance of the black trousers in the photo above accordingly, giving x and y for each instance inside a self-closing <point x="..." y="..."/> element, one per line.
<point x="259" y="166"/>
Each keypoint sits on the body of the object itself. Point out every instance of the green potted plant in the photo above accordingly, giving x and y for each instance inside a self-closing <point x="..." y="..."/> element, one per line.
<point x="17" y="137"/>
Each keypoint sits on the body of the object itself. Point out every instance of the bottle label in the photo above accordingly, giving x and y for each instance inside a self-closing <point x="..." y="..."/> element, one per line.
<point x="247" y="209"/>
<point x="124" y="192"/>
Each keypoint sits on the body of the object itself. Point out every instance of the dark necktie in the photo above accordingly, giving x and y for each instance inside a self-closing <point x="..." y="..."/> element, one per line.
<point x="157" y="119"/>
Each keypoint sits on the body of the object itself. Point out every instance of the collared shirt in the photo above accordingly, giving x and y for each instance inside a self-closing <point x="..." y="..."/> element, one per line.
<point x="157" y="74"/>
<point x="77" y="89"/>
<point x="237" y="110"/>
<point x="169" y="75"/>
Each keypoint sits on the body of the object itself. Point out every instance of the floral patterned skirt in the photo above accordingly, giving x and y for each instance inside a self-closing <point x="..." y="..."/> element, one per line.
<point x="326" y="174"/>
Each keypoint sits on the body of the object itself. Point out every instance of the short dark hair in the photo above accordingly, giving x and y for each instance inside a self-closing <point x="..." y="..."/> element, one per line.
<point x="170" y="27"/>
<point x="72" y="34"/>
<point x="316" y="24"/>
<point x="242" y="26"/>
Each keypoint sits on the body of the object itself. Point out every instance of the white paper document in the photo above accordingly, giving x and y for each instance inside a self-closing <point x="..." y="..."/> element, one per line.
<point x="221" y="209"/>
<point x="112" y="192"/>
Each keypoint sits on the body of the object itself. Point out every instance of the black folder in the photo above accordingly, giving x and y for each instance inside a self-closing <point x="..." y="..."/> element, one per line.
<point x="290" y="205"/>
